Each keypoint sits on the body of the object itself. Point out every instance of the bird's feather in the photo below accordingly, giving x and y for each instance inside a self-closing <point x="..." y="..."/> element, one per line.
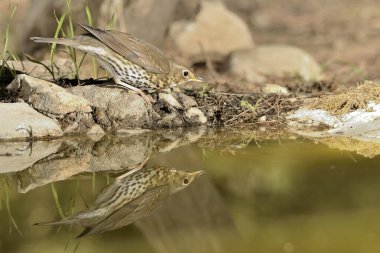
<point x="132" y="211"/>
<point x="133" y="49"/>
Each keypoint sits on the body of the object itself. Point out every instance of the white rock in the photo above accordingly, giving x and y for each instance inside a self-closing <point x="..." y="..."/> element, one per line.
<point x="362" y="124"/>
<point x="48" y="97"/>
<point x="273" y="60"/>
<point x="215" y="28"/>
<point x="114" y="108"/>
<point x="185" y="100"/>
<point x="313" y="117"/>
<point x="16" y="117"/>
<point x="170" y="100"/>
<point x="196" y="115"/>
<point x="275" y="88"/>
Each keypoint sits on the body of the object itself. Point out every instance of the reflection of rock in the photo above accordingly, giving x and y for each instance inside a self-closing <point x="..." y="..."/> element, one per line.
<point x="110" y="153"/>
<point x="273" y="60"/>
<point x="120" y="153"/>
<point x="215" y="29"/>
<point x="16" y="156"/>
<point x="172" y="139"/>
<point x="195" y="215"/>
<point x="64" y="163"/>
<point x="114" y="108"/>
<point x="368" y="149"/>
<point x="19" y="118"/>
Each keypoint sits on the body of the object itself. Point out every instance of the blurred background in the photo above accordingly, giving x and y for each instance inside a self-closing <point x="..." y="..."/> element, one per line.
<point x="242" y="43"/>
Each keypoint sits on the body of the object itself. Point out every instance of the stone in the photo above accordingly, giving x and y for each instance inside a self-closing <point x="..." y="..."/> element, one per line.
<point x="215" y="32"/>
<point x="170" y="120"/>
<point x="17" y="156"/>
<point x="169" y="100"/>
<point x="273" y="60"/>
<point x="48" y="98"/>
<point x="363" y="124"/>
<point x="19" y="118"/>
<point x="275" y="88"/>
<point x="185" y="100"/>
<point x="115" y="108"/>
<point x="195" y="116"/>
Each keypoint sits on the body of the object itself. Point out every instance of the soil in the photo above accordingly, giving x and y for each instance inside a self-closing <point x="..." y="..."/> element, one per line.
<point x="233" y="109"/>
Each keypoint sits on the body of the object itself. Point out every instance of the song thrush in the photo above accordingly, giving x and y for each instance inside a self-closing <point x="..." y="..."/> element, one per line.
<point x="132" y="62"/>
<point x="132" y="196"/>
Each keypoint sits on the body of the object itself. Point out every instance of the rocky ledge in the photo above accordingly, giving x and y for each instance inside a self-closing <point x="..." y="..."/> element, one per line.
<point x="42" y="109"/>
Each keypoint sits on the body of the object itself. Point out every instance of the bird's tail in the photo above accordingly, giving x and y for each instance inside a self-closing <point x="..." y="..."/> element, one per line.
<point x="63" y="41"/>
<point x="56" y="222"/>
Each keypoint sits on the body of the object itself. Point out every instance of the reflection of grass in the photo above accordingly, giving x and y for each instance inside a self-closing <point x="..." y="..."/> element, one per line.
<point x="56" y="200"/>
<point x="12" y="221"/>
<point x="93" y="184"/>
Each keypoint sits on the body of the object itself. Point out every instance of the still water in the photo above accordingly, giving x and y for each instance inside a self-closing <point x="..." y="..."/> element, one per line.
<point x="191" y="190"/>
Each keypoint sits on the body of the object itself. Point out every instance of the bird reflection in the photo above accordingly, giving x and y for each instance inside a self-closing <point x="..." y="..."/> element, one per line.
<point x="132" y="196"/>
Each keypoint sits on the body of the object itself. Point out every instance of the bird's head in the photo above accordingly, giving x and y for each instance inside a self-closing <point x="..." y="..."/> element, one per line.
<point x="181" y="75"/>
<point x="182" y="179"/>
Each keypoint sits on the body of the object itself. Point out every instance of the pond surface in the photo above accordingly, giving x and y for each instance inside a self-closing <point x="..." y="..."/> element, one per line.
<point x="146" y="192"/>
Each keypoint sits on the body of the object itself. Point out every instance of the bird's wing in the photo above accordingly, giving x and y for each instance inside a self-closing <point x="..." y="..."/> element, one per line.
<point x="134" y="50"/>
<point x="134" y="210"/>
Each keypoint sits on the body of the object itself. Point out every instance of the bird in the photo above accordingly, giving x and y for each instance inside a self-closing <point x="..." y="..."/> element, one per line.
<point x="130" y="197"/>
<point x="133" y="63"/>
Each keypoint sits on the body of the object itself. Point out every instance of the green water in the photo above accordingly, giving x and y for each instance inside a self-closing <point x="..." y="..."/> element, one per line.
<point x="281" y="193"/>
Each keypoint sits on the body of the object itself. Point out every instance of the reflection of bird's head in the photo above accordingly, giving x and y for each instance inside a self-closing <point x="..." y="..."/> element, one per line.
<point x="181" y="75"/>
<point x="181" y="179"/>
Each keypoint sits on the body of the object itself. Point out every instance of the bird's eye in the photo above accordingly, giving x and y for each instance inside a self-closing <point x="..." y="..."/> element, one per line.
<point x="185" y="73"/>
<point x="185" y="181"/>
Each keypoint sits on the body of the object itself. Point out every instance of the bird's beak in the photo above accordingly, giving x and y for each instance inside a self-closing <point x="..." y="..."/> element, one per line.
<point x="197" y="80"/>
<point x="198" y="173"/>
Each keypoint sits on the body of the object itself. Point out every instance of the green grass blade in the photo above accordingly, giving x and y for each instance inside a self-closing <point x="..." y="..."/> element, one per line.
<point x="54" y="45"/>
<point x="41" y="63"/>
<point x="90" y="23"/>
<point x="88" y="14"/>
<point x="111" y="23"/>
<point x="6" y="35"/>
